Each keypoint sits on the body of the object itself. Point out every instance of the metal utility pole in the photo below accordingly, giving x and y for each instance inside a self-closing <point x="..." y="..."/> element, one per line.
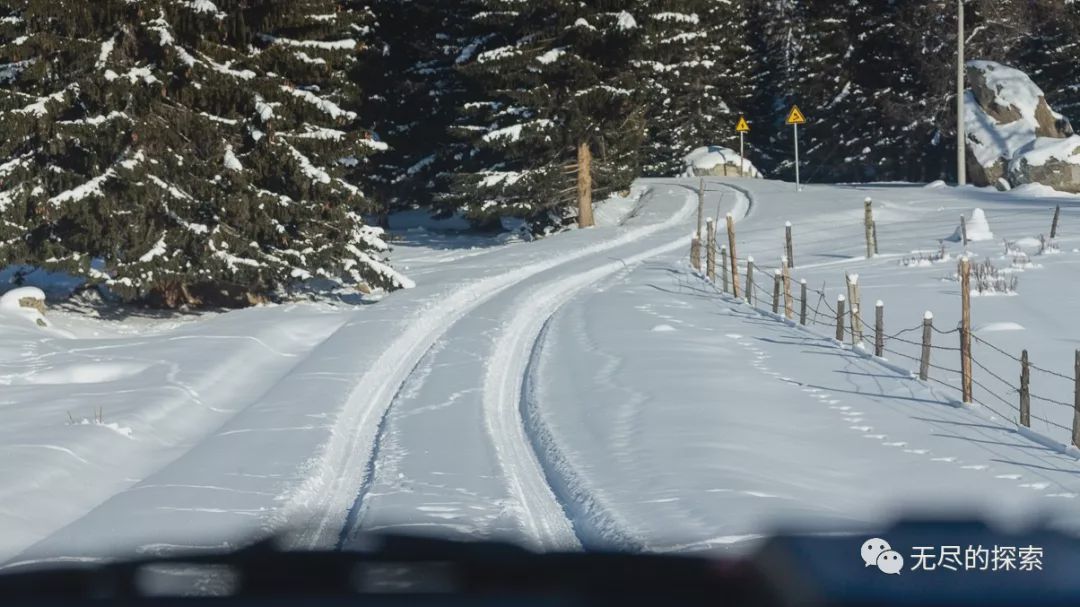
<point x="961" y="136"/>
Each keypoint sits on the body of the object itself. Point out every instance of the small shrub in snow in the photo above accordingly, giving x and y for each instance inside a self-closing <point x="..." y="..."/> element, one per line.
<point x="1018" y="258"/>
<point x="986" y="278"/>
<point x="923" y="259"/>
<point x="1048" y="246"/>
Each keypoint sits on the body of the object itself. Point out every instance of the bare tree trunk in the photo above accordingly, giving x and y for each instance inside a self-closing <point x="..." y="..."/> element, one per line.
<point x="584" y="186"/>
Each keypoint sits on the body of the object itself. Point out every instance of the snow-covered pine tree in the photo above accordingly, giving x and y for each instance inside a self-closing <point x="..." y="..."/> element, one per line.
<point x="186" y="152"/>
<point x="414" y="93"/>
<point x="1049" y="54"/>
<point x="687" y="71"/>
<point x="771" y="60"/>
<point x="831" y="86"/>
<point x="554" y="76"/>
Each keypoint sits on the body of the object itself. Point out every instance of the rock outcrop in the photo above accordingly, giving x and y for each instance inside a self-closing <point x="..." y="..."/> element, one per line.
<point x="1007" y="117"/>
<point x="717" y="161"/>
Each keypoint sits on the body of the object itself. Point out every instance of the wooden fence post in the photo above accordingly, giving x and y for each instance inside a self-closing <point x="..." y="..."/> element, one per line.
<point x="854" y="305"/>
<point x="851" y="312"/>
<point x="965" y="328"/>
<point x="868" y="222"/>
<point x="695" y="252"/>
<point x="710" y="250"/>
<point x="1025" y="390"/>
<point x="700" y="204"/>
<point x="584" y="186"/>
<point x="840" y="317"/>
<point x="963" y="231"/>
<point x="734" y="255"/>
<point x="749" y="281"/>
<point x="724" y="269"/>
<point x="873" y="227"/>
<point x="789" y="247"/>
<point x="789" y="303"/>
<point x="927" y="334"/>
<point x="776" y="292"/>
<point x="1076" y="401"/>
<point x="879" y="329"/>
<point x="802" y="302"/>
<point x="1053" y="226"/>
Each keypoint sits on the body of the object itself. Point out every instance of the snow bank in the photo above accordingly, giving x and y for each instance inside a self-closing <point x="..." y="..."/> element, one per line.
<point x="978" y="228"/>
<point x="1038" y="190"/>
<point x="12" y="304"/>
<point x="717" y="161"/>
<point x="11" y="299"/>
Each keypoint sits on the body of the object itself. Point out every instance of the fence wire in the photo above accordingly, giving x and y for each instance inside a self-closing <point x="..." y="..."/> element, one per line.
<point x="761" y="288"/>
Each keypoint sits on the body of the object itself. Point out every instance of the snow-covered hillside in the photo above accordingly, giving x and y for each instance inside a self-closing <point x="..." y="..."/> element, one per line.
<point x="585" y="390"/>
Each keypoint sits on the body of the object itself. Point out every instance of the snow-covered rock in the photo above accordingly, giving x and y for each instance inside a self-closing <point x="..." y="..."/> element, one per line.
<point x="718" y="161"/>
<point x="1047" y="161"/>
<point x="1005" y="111"/>
<point x="28" y="302"/>
<point x="978" y="228"/>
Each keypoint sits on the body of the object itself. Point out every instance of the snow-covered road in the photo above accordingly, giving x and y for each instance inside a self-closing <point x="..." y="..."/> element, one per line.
<point x="454" y="454"/>
<point x="584" y="390"/>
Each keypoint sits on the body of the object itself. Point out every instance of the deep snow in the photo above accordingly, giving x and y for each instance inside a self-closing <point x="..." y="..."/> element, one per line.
<point x="582" y="390"/>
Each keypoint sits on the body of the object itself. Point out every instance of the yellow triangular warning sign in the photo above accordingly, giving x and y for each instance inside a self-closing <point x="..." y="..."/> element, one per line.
<point x="743" y="126"/>
<point x="795" y="116"/>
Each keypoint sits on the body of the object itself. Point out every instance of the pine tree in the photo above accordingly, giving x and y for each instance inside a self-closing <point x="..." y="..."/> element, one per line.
<point x="187" y="152"/>
<point x="554" y="77"/>
<point x="773" y="52"/>
<point x="1049" y="54"/>
<point x="687" y="59"/>
<point x="414" y="94"/>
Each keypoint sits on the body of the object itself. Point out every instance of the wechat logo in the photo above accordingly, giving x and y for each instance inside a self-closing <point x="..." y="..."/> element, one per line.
<point x="878" y="553"/>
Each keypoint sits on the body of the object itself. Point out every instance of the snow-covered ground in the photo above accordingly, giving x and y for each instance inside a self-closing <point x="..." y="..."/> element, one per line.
<point x="583" y="390"/>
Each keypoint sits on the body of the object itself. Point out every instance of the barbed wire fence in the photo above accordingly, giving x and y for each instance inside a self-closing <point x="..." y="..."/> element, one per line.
<point x="811" y="309"/>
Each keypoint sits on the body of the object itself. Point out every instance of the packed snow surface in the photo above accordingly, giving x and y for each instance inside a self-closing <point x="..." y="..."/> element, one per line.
<point x="584" y="390"/>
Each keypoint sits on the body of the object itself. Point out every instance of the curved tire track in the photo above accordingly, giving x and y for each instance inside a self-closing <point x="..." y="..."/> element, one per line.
<point x="539" y="475"/>
<point x="544" y="511"/>
<point x="324" y="504"/>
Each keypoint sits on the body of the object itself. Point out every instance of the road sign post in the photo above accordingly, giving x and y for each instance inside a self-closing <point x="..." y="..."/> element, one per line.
<point x="795" y="118"/>
<point x="743" y="128"/>
<point x="797" y="187"/>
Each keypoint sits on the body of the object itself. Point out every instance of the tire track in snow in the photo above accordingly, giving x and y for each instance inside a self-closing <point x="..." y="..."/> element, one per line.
<point x="546" y="512"/>
<point x="333" y="494"/>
